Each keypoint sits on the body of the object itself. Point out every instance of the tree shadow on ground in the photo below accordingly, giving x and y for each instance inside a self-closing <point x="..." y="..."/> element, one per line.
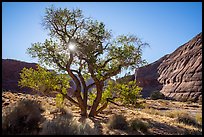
<point x="99" y="119"/>
<point x="158" y="128"/>
<point x="97" y="123"/>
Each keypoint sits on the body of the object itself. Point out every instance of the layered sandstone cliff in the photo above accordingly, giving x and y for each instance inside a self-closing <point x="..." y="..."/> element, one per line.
<point x="177" y="75"/>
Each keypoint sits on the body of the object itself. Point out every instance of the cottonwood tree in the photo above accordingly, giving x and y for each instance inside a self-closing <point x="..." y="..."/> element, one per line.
<point x="83" y="47"/>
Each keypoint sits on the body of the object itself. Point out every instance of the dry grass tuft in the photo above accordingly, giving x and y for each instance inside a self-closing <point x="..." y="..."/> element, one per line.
<point x="175" y="113"/>
<point x="24" y="118"/>
<point x="118" y="122"/>
<point x="198" y="118"/>
<point x="152" y="111"/>
<point x="60" y="125"/>
<point x="64" y="124"/>
<point x="137" y="124"/>
<point x="187" y="119"/>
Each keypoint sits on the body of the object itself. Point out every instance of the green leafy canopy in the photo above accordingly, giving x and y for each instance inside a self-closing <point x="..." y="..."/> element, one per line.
<point x="96" y="54"/>
<point x="44" y="80"/>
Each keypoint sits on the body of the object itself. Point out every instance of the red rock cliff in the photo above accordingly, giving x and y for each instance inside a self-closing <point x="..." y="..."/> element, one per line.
<point x="177" y="75"/>
<point x="10" y="73"/>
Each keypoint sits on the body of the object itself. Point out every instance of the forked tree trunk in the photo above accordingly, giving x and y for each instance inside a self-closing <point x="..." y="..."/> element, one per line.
<point x="81" y="104"/>
<point x="99" y="88"/>
<point x="78" y="92"/>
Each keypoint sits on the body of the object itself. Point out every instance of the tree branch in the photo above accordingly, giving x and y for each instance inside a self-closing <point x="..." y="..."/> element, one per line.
<point x="91" y="85"/>
<point x="81" y="78"/>
<point x="57" y="30"/>
<point x="102" y="107"/>
<point x="108" y="60"/>
<point x="72" y="100"/>
<point x="55" y="60"/>
<point x="112" y="73"/>
<point x="77" y="82"/>
<point x="106" y="104"/>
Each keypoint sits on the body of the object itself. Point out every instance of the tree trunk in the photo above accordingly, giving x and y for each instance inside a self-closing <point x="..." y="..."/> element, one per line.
<point x="99" y="87"/>
<point x="85" y="89"/>
<point x="78" y="92"/>
<point x="81" y="104"/>
<point x="85" y="98"/>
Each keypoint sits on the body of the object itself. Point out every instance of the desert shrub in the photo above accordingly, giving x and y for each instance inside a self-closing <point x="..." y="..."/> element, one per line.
<point x="137" y="124"/>
<point x="61" y="125"/>
<point x="140" y="103"/>
<point x="152" y="111"/>
<point x="40" y="79"/>
<point x="129" y="92"/>
<point x="163" y="102"/>
<point x="192" y="132"/>
<point x="157" y="95"/>
<point x="118" y="122"/>
<point x="187" y="119"/>
<point x="175" y="113"/>
<point x="63" y="112"/>
<point x="64" y="124"/>
<point x="44" y="80"/>
<point x="24" y="118"/>
<point x="86" y="129"/>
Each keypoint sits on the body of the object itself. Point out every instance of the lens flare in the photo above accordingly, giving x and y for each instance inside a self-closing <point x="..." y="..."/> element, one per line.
<point x="72" y="46"/>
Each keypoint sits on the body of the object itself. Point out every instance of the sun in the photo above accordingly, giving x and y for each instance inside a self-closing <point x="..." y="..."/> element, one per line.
<point x="72" y="46"/>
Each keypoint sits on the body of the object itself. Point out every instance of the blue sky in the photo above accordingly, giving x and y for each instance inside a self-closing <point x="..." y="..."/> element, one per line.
<point x="164" y="25"/>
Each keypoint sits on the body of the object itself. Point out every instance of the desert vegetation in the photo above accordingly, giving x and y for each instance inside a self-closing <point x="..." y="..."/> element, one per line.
<point x="157" y="95"/>
<point x="24" y="118"/>
<point x="114" y="120"/>
<point x="80" y="49"/>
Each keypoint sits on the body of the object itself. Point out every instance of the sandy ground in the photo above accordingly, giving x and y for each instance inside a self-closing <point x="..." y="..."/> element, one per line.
<point x="158" y="124"/>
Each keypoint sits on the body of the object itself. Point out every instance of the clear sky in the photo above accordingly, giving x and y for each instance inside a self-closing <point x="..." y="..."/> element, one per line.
<point x="164" y="25"/>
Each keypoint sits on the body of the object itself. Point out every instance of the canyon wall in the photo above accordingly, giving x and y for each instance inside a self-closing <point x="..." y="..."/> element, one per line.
<point x="177" y="75"/>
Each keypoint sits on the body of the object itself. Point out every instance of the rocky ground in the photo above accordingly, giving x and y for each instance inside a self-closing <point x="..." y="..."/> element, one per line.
<point x="154" y="112"/>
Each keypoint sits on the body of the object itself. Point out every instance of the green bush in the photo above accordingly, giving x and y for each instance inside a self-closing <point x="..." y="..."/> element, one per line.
<point x="118" y="122"/>
<point x="137" y="124"/>
<point x="24" y="118"/>
<point x="127" y="92"/>
<point x="157" y="95"/>
<point x="43" y="80"/>
<point x="130" y="92"/>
